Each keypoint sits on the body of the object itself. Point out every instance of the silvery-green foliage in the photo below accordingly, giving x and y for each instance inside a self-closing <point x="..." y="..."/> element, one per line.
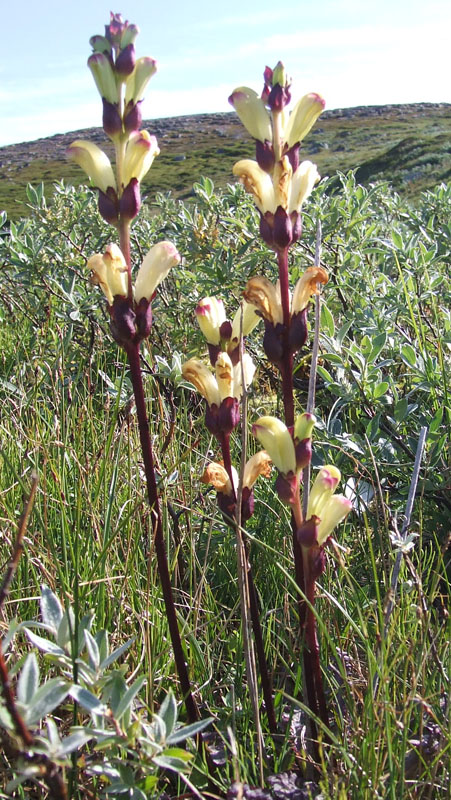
<point x="127" y="746"/>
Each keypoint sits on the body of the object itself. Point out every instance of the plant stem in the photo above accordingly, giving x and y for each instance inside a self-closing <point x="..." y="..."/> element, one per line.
<point x="254" y="610"/>
<point x="132" y="350"/>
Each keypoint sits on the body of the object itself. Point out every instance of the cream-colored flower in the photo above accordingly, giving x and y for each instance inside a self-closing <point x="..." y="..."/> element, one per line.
<point x="322" y="490"/>
<point x="210" y="314"/>
<point x="284" y="189"/>
<point x="155" y="267"/>
<point x="140" y="152"/>
<point x="277" y="441"/>
<point x="250" y="320"/>
<point x="109" y="271"/>
<point x="306" y="287"/>
<point x="205" y="382"/>
<point x="333" y="512"/>
<point x="94" y="162"/>
<point x="136" y="82"/>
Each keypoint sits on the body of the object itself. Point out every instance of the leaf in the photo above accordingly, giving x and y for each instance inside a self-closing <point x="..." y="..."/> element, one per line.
<point x="66" y="627"/>
<point x="44" y="644"/>
<point x="88" y="700"/>
<point x="51" y="609"/>
<point x="93" y="650"/>
<point x="377" y="344"/>
<point x="408" y="355"/>
<point x="327" y="320"/>
<point x="436" y="420"/>
<point x="168" y="713"/>
<point x="380" y="389"/>
<point x="397" y="240"/>
<point x="28" y="682"/>
<point x="129" y="696"/>
<point x="48" y="697"/>
<point x="75" y="740"/>
<point x="116" y="654"/>
<point x="189" y="730"/>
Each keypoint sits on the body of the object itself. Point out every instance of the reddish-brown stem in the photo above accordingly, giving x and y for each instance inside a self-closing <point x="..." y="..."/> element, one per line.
<point x="132" y="350"/>
<point x="312" y="641"/>
<point x="124" y="234"/>
<point x="254" y="609"/>
<point x="286" y="368"/>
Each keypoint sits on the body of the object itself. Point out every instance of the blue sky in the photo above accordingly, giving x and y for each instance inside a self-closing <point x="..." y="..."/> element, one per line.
<point x="351" y="51"/>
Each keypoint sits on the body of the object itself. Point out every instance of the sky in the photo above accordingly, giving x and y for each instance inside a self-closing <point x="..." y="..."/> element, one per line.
<point x="353" y="52"/>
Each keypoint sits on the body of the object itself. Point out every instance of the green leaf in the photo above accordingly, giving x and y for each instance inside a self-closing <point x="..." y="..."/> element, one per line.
<point x="380" y="389"/>
<point x="116" y="654"/>
<point x="66" y="627"/>
<point x="129" y="696"/>
<point x="51" y="608"/>
<point x="88" y="700"/>
<point x="377" y="344"/>
<point x="44" y="644"/>
<point x="397" y="240"/>
<point x="408" y="355"/>
<point x="436" y="420"/>
<point x="188" y="731"/>
<point x="48" y="697"/>
<point x="93" y="650"/>
<point x="28" y="682"/>
<point x="327" y="320"/>
<point x="168" y="713"/>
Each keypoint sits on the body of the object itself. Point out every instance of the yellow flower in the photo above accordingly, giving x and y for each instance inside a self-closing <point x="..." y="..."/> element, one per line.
<point x="154" y="269"/>
<point x="109" y="271"/>
<point x="94" y="162"/>
<point x="276" y="439"/>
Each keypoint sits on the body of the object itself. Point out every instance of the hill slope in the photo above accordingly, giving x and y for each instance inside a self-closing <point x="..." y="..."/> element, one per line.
<point x="408" y="145"/>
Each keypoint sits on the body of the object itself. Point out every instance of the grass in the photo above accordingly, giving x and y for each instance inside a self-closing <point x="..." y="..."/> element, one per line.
<point x="385" y="359"/>
<point x="406" y="145"/>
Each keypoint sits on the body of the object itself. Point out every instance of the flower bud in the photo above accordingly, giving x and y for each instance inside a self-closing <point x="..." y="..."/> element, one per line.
<point x="252" y="113"/>
<point x="132" y="117"/>
<point x="276" y="439"/>
<point x="130" y="201"/>
<point x="94" y="162"/>
<point x="333" y="512"/>
<point x="111" y="120"/>
<point x="110" y="272"/>
<point x="154" y="269"/>
<point x="137" y="81"/>
<point x="210" y="314"/>
<point x="125" y="62"/>
<point x="104" y="77"/>
<point x="303" y="117"/>
<point x="139" y="155"/>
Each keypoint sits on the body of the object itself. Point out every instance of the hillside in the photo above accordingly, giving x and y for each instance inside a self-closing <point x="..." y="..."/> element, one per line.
<point x="407" y="145"/>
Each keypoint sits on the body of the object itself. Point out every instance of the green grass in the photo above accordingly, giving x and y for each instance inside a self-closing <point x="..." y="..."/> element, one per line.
<point x="384" y="373"/>
<point x="405" y="145"/>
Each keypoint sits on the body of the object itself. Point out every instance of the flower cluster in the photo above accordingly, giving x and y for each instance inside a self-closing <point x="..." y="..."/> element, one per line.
<point x="278" y="341"/>
<point x="290" y="451"/>
<point x="131" y="318"/>
<point x="226" y="489"/>
<point x="324" y="512"/>
<point x="222" y="389"/>
<point x="277" y="181"/>
<point x="121" y="80"/>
